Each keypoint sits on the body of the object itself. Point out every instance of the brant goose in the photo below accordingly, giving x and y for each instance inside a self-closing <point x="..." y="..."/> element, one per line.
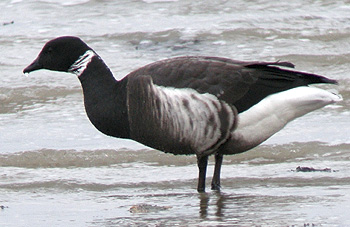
<point x="189" y="105"/>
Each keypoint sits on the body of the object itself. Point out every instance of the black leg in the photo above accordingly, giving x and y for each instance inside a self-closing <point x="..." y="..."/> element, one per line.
<point x="202" y="166"/>
<point x="215" y="183"/>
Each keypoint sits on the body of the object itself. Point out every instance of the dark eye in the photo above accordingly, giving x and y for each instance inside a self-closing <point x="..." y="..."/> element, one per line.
<point x="49" y="50"/>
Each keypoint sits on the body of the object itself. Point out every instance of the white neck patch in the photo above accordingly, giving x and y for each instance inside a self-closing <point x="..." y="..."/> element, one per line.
<point x="82" y="63"/>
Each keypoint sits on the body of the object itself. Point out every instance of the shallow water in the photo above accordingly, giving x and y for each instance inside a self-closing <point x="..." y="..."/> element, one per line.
<point x="97" y="188"/>
<point x="57" y="170"/>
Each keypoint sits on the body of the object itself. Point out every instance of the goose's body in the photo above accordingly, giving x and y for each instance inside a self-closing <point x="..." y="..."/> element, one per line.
<point x="189" y="105"/>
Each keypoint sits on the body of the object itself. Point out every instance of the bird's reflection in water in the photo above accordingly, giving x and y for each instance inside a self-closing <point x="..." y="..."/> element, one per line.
<point x="204" y="203"/>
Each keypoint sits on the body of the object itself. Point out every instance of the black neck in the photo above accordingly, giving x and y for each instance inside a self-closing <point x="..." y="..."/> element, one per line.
<point x="105" y="99"/>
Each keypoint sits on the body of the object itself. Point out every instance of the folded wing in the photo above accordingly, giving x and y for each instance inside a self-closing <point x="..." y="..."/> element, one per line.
<point x="238" y="83"/>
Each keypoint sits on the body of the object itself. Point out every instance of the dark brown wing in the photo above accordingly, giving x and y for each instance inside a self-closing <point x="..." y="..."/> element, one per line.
<point x="242" y="84"/>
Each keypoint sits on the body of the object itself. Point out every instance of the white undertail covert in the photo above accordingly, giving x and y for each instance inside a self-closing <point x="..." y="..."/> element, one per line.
<point x="271" y="114"/>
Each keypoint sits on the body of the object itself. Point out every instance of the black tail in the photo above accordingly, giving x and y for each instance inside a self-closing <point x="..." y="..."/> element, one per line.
<point x="273" y="79"/>
<point x="270" y="72"/>
<point x="316" y="79"/>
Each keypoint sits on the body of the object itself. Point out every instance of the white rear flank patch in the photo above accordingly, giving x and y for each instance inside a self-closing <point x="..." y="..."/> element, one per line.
<point x="82" y="63"/>
<point x="270" y="115"/>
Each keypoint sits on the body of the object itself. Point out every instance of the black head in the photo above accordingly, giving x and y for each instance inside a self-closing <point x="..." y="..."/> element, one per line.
<point x="59" y="54"/>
